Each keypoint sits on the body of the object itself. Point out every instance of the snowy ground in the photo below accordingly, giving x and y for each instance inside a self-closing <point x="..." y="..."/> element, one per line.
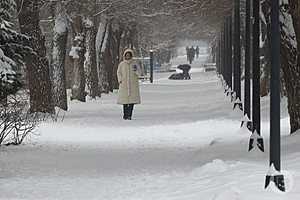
<point x="184" y="143"/>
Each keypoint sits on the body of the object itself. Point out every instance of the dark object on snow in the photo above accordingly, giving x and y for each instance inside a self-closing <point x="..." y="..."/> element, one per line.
<point x="176" y="76"/>
<point x="208" y="67"/>
<point x="184" y="67"/>
<point x="185" y="70"/>
<point x="277" y="179"/>
<point x="184" y="75"/>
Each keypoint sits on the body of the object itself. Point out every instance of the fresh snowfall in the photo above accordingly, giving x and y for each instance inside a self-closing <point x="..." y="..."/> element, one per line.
<point x="184" y="143"/>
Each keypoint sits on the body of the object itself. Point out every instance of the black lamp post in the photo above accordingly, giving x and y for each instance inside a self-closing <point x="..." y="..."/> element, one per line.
<point x="229" y="53"/>
<point x="151" y="66"/>
<point x="247" y="94"/>
<point x="237" y="56"/>
<point x="256" y="138"/>
<point x="274" y="173"/>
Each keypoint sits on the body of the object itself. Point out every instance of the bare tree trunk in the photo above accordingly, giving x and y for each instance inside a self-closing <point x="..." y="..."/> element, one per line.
<point x="265" y="35"/>
<point x="123" y="43"/>
<point x="134" y="34"/>
<point x="108" y="57"/>
<point x="58" y="77"/>
<point x="292" y="72"/>
<point x="130" y="37"/>
<point x="37" y="67"/>
<point x="102" y="56"/>
<point x="77" y="53"/>
<point x="90" y="64"/>
<point x="114" y="51"/>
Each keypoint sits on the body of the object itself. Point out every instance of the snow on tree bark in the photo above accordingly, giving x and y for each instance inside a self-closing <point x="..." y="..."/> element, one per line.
<point x="7" y="76"/>
<point x="289" y="66"/>
<point x="130" y="37"/>
<point x="265" y="47"/>
<point x="90" y="65"/>
<point x="291" y="49"/>
<point x="8" y="37"/>
<point x="108" y="57"/>
<point x="116" y="33"/>
<point x="110" y="50"/>
<point x="77" y="54"/>
<point x="99" y="39"/>
<point x="57" y="70"/>
<point x="37" y="67"/>
<point x="101" y="46"/>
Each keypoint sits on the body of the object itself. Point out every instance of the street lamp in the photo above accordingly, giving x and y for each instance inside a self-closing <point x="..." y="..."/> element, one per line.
<point x="151" y="66"/>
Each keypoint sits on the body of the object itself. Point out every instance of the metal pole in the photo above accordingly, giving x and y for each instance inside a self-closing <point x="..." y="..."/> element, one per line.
<point x="255" y="137"/>
<point x="256" y="69"/>
<point x="232" y="57"/>
<point x="151" y="66"/>
<point x="275" y="100"/>
<point x="219" y="51"/>
<point x="218" y="56"/>
<point x="247" y="60"/>
<point x="275" y="88"/>
<point x="222" y="55"/>
<point x="230" y="51"/>
<point x="237" y="55"/>
<point x="247" y="98"/>
<point x="226" y="53"/>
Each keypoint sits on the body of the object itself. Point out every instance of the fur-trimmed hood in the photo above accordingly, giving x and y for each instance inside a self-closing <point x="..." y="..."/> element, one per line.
<point x="126" y="51"/>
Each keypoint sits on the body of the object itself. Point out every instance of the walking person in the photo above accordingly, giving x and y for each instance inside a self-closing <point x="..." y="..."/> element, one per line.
<point x="197" y="52"/>
<point x="128" y="77"/>
<point x="187" y="49"/>
<point x="193" y="53"/>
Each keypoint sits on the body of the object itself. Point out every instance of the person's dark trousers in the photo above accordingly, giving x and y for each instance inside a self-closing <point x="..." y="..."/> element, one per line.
<point x="124" y="111"/>
<point x="130" y="110"/>
<point x="127" y="110"/>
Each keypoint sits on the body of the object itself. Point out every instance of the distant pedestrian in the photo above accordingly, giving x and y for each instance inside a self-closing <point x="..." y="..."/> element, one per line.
<point x="128" y="77"/>
<point x="187" y="49"/>
<point x="197" y="52"/>
<point x="193" y="53"/>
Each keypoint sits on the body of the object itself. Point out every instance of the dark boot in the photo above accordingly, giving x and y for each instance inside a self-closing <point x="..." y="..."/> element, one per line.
<point x="130" y="110"/>
<point x="125" y="111"/>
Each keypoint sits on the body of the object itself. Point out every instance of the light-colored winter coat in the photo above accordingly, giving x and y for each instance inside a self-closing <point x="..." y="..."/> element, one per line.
<point x="128" y="77"/>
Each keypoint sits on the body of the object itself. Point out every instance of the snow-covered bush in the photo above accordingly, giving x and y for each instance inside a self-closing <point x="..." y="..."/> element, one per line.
<point x="8" y="77"/>
<point x="16" y="123"/>
<point x="7" y="74"/>
<point x="14" y="47"/>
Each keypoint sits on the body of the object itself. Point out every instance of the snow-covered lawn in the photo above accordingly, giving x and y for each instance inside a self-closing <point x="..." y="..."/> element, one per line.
<point x="184" y="143"/>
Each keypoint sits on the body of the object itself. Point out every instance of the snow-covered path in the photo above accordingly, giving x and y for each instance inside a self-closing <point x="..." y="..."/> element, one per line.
<point x="184" y="143"/>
